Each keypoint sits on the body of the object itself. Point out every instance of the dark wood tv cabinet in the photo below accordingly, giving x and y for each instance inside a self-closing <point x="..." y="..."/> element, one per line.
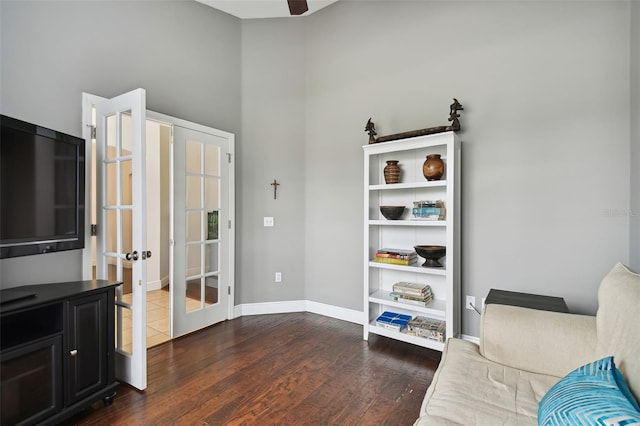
<point x="57" y="350"/>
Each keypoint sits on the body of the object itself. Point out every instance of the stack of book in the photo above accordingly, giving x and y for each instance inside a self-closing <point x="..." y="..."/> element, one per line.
<point x="412" y="293"/>
<point x="429" y="210"/>
<point x="393" y="320"/>
<point x="396" y="256"/>
<point x="429" y="328"/>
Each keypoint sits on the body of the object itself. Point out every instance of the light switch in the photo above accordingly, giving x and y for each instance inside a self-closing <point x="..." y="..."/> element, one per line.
<point x="268" y="221"/>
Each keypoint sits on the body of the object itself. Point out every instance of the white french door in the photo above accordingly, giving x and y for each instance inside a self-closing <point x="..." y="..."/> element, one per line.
<point x="201" y="256"/>
<point x="121" y="237"/>
<point x="202" y="232"/>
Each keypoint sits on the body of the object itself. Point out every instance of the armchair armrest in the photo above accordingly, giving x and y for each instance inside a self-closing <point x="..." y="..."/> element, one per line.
<point x="543" y="342"/>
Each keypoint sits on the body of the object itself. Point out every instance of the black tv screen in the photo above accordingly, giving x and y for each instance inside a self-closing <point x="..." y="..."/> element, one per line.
<point x="41" y="189"/>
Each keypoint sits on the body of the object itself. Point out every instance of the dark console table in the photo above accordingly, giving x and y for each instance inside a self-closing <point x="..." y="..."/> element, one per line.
<point x="57" y="351"/>
<point x="526" y="300"/>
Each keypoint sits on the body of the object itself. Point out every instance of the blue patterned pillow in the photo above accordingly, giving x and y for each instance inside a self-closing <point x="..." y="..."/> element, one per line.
<point x="594" y="394"/>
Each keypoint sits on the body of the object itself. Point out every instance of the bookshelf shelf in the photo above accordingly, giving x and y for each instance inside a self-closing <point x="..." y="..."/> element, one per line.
<point x="405" y="233"/>
<point x="418" y="223"/>
<point x="410" y="268"/>
<point x="409" y="185"/>
<point x="398" y="335"/>
<point x="437" y="308"/>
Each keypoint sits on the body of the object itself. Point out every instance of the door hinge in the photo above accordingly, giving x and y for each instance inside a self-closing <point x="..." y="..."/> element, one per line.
<point x="229" y="157"/>
<point x="229" y="290"/>
<point x="94" y="131"/>
<point x="229" y="224"/>
<point x="94" y="230"/>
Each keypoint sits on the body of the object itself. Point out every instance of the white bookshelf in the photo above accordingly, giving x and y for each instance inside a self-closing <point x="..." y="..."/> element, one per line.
<point x="408" y="232"/>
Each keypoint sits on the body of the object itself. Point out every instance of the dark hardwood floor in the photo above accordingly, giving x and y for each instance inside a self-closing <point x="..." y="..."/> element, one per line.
<point x="281" y="369"/>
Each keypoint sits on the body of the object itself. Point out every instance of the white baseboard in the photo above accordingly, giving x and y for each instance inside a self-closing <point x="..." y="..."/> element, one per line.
<point x="154" y="285"/>
<point x="269" y="308"/>
<point x="472" y="339"/>
<point x="337" y="312"/>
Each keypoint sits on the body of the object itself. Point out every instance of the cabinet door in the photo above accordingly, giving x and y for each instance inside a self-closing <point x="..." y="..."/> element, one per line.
<point x="31" y="381"/>
<point x="86" y="345"/>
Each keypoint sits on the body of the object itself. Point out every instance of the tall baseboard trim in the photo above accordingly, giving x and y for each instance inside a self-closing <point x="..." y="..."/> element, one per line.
<point x="472" y="339"/>
<point x="337" y="312"/>
<point x="154" y="285"/>
<point x="268" y="308"/>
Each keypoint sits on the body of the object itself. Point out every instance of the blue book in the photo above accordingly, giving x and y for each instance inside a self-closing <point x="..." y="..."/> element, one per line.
<point x="393" y="320"/>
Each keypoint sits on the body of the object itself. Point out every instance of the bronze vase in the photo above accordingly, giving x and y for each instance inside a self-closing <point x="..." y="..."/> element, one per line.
<point x="433" y="167"/>
<point x="392" y="172"/>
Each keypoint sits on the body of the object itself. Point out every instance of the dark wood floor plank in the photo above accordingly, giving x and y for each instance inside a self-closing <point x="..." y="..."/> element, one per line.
<point x="281" y="369"/>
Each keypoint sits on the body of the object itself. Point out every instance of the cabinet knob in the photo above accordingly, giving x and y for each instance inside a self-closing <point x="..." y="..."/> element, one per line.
<point x="74" y="352"/>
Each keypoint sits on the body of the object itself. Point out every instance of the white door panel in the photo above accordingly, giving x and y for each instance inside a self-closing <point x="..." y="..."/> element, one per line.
<point x="121" y="238"/>
<point x="202" y="239"/>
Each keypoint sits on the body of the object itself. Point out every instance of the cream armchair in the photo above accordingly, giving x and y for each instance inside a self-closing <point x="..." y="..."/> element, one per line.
<point x="524" y="352"/>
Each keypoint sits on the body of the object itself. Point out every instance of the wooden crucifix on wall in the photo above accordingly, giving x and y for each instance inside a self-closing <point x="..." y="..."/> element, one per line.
<point x="275" y="185"/>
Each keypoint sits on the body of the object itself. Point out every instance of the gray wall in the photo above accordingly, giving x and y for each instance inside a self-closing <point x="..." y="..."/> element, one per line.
<point x="186" y="56"/>
<point x="635" y="136"/>
<point x="545" y="87"/>
<point x="546" y="131"/>
<point x="272" y="147"/>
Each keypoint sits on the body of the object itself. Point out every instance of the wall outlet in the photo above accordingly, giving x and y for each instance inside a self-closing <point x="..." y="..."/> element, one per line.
<point x="278" y="277"/>
<point x="268" y="221"/>
<point x="470" y="302"/>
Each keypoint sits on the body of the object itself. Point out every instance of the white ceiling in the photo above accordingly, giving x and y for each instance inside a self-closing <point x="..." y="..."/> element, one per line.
<point x="252" y="9"/>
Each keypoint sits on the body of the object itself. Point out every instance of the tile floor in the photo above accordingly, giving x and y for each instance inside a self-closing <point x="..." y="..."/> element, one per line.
<point x="157" y="319"/>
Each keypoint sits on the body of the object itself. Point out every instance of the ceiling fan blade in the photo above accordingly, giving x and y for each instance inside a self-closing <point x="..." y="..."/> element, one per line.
<point x="297" y="7"/>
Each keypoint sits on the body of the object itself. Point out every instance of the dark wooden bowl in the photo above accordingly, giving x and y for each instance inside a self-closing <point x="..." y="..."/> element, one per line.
<point x="431" y="254"/>
<point x="392" y="212"/>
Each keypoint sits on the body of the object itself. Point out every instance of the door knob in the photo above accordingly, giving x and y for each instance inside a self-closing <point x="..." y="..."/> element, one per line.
<point x="130" y="256"/>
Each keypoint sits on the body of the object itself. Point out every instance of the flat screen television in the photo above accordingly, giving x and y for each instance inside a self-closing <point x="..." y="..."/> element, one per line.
<point x="41" y="189"/>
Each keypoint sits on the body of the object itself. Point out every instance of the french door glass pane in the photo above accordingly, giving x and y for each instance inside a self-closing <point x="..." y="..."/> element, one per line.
<point x="212" y="160"/>
<point x="111" y="149"/>
<point x="192" y="194"/>
<point x="193" y="226"/>
<point x="211" y="193"/>
<point x="123" y="340"/>
<point x="211" y="290"/>
<point x="127" y="235"/>
<point x="111" y="237"/>
<point x="192" y="260"/>
<point x="211" y="258"/>
<point x="194" y="159"/>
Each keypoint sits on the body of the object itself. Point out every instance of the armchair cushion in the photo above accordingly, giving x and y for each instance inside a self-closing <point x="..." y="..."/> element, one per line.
<point x="541" y="342"/>
<point x="618" y="322"/>
<point x="595" y="393"/>
<point x="467" y="389"/>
